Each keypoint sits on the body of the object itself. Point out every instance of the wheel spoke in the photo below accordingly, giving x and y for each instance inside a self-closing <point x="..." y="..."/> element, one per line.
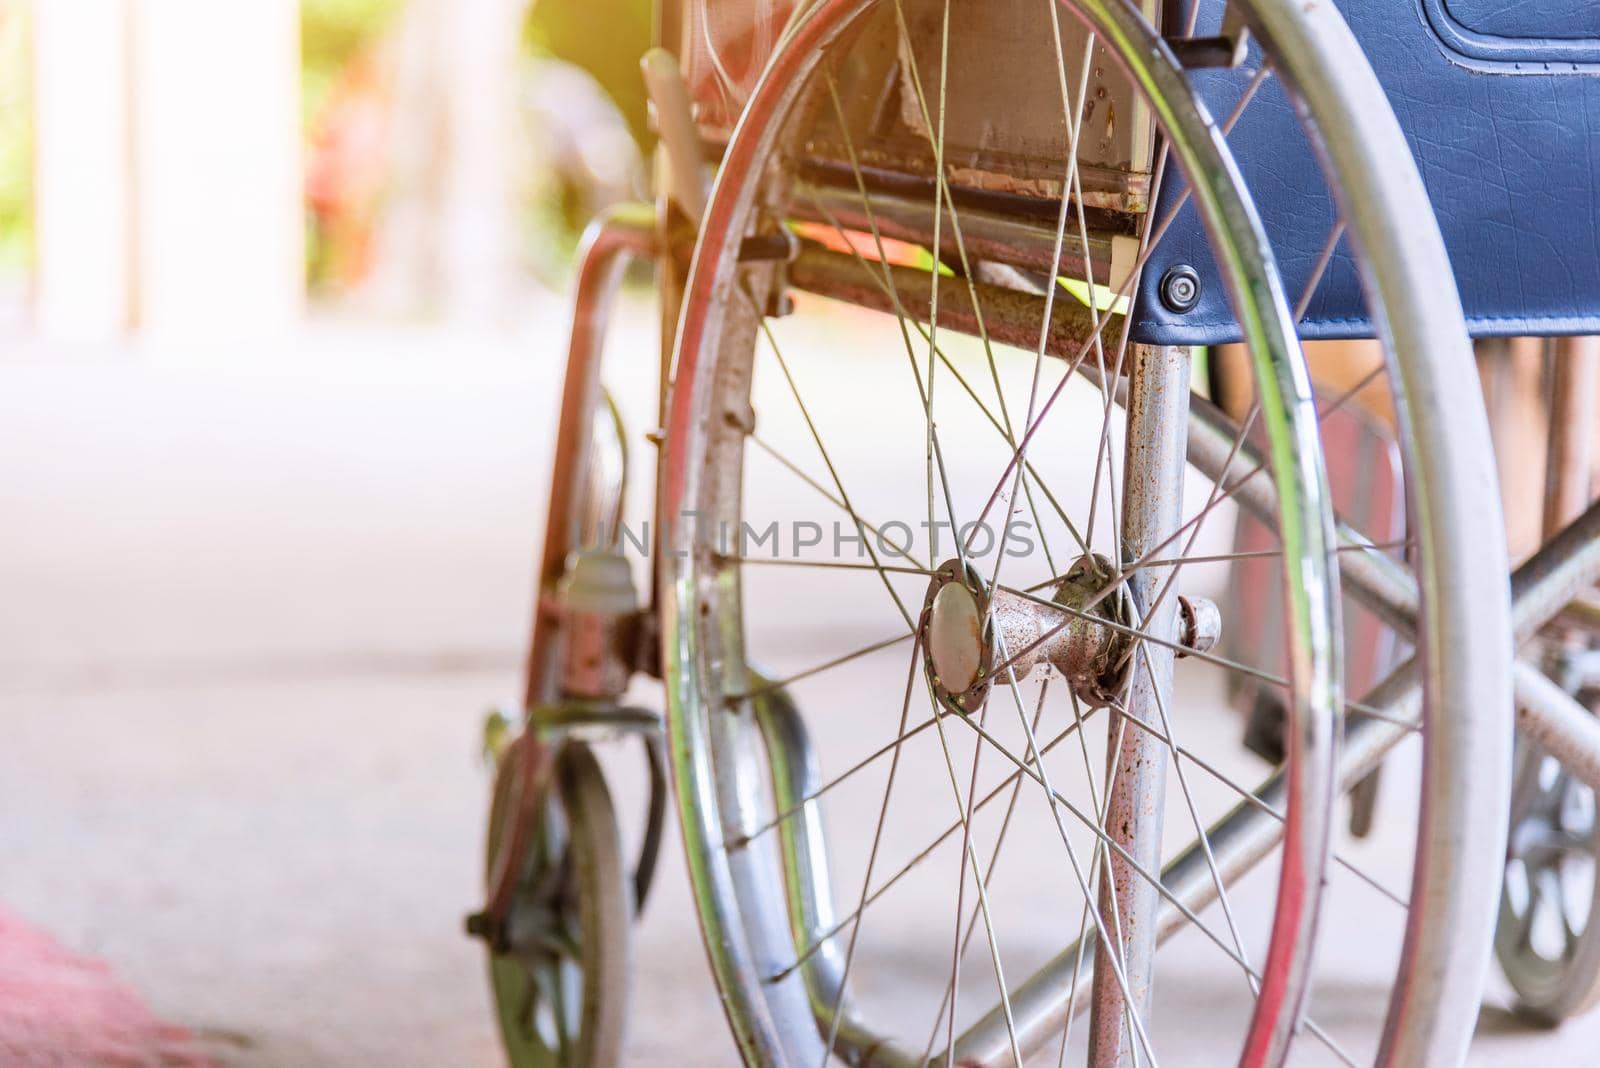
<point x="883" y="279"/>
<point x="944" y="201"/>
<point x="1252" y="554"/>
<point x="1094" y="874"/>
<point x="1321" y="267"/>
<point x="1053" y="289"/>
<point x="800" y="805"/>
<point x="969" y="852"/>
<point x="839" y="565"/>
<point x="936" y="454"/>
<point x="975" y="1041"/>
<point x="1201" y="837"/>
<point x="1246" y="794"/>
<point x="1248" y="839"/>
<point x="933" y="279"/>
<point x="844" y="497"/>
<point x="904" y="551"/>
<point x="1060" y="801"/>
<point x="1112" y="942"/>
<point x="872" y="858"/>
<point x="826" y="665"/>
<point x="1131" y="900"/>
<point x="1148" y="241"/>
<point x="1358" y="708"/>
<point x="1237" y="447"/>
<point x="988" y="876"/>
<point x="923" y="854"/>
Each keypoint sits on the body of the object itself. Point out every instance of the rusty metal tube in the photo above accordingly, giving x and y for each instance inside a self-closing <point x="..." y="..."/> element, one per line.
<point x="624" y="233"/>
<point x="1008" y="316"/>
<point x="985" y="235"/>
<point x="1158" y="398"/>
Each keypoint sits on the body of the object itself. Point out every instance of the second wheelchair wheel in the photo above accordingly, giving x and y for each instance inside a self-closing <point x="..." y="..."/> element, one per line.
<point x="560" y="976"/>
<point x="1170" y="888"/>
<point x="1548" y="940"/>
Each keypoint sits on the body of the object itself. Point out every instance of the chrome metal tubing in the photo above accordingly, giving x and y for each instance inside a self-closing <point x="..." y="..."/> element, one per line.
<point x="796" y="776"/>
<point x="1554" y="721"/>
<point x="1543" y="587"/>
<point x="1583" y="611"/>
<point x="1152" y="506"/>
<point x="1382" y="583"/>
<point x="1564" y="569"/>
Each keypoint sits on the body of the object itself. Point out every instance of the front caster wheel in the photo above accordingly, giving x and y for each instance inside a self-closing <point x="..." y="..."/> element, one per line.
<point x="559" y="967"/>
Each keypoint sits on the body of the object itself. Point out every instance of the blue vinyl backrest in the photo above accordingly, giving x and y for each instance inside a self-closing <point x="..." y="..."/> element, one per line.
<point x="1509" y="147"/>
<point x="1526" y="20"/>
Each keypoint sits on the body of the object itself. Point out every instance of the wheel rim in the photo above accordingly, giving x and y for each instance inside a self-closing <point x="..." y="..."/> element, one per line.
<point x="714" y="791"/>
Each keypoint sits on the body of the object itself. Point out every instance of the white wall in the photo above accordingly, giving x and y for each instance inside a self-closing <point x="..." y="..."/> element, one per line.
<point x="448" y="243"/>
<point x="168" y="167"/>
<point x="219" y="230"/>
<point x="82" y="169"/>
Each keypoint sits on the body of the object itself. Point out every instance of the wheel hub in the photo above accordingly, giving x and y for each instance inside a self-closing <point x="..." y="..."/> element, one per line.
<point x="974" y="637"/>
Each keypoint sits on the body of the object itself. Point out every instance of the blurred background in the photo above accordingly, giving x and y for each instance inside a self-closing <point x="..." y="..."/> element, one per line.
<point x="283" y="295"/>
<point x="173" y="166"/>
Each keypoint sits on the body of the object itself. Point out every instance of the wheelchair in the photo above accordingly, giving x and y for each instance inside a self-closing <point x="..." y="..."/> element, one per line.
<point x="1052" y="395"/>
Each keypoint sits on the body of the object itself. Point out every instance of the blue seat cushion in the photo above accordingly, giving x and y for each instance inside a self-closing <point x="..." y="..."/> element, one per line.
<point x="1508" y="144"/>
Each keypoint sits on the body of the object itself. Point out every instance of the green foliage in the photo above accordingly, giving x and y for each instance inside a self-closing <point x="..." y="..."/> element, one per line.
<point x="16" y="141"/>
<point x="1103" y="297"/>
<point x="605" y="38"/>
<point x="331" y="32"/>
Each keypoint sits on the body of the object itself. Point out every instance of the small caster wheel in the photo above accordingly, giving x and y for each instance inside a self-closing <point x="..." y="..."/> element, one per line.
<point x="558" y="965"/>
<point x="1548" y="937"/>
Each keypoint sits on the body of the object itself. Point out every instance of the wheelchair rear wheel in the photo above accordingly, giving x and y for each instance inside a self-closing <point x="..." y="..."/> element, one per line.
<point x="1012" y="667"/>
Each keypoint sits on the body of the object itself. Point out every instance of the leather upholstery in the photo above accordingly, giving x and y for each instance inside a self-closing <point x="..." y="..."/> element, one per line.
<point x="1535" y="20"/>
<point x="1510" y="156"/>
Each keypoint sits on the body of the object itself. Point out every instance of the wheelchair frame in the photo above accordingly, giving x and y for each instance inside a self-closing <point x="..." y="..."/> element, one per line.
<point x="1548" y="588"/>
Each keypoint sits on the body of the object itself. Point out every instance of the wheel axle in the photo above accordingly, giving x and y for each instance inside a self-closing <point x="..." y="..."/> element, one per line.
<point x="974" y="637"/>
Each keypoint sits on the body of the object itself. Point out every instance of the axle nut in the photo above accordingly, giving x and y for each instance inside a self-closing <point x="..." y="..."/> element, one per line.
<point x="1199" y="625"/>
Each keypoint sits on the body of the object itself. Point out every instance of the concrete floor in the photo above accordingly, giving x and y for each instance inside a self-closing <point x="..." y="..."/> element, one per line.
<point x="255" y="603"/>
